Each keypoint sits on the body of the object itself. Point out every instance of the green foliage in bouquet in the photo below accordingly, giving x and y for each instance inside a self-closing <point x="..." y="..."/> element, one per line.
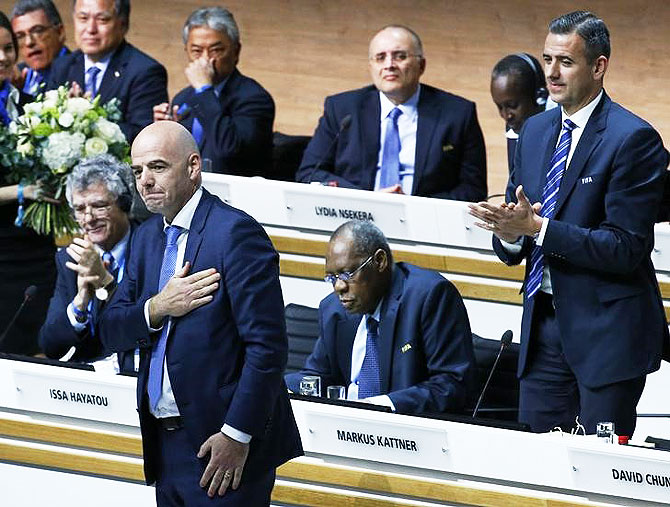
<point x="48" y="140"/>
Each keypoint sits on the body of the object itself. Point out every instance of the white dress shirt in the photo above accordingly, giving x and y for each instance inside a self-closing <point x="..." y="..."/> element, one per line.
<point x="407" y="124"/>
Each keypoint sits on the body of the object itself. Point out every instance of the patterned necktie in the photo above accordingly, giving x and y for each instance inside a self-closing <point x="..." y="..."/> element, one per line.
<point x="390" y="173"/>
<point x="92" y="81"/>
<point x="557" y="167"/>
<point x="369" y="383"/>
<point x="110" y="263"/>
<point x="155" y="383"/>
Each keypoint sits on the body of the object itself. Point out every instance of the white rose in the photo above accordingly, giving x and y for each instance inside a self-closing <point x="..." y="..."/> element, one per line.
<point x="51" y="95"/>
<point x="77" y="106"/>
<point x="13" y="128"/>
<point x="33" y="108"/>
<point x="32" y="121"/>
<point x="109" y="131"/>
<point x="95" y="146"/>
<point x="65" y="120"/>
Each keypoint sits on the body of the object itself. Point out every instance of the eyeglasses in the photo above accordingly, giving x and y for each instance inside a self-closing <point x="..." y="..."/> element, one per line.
<point x="346" y="276"/>
<point x="38" y="32"/>
<point x="396" y="57"/>
<point x="96" y="209"/>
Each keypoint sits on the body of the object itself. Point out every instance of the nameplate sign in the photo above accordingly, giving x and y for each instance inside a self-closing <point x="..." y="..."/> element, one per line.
<point x="96" y="400"/>
<point x="326" y="211"/>
<point x="618" y="475"/>
<point x="376" y="440"/>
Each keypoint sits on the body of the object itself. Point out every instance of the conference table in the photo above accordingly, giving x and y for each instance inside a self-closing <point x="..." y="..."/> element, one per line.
<point x="69" y="435"/>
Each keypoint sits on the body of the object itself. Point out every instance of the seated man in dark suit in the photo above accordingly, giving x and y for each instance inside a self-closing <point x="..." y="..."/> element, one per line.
<point x="394" y="334"/>
<point x="397" y="135"/>
<point x="229" y="115"/>
<point x="108" y="66"/>
<point x="89" y="269"/>
<point x="41" y="35"/>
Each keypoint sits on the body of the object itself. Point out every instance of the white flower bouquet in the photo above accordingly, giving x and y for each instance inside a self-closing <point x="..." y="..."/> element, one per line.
<point x="46" y="142"/>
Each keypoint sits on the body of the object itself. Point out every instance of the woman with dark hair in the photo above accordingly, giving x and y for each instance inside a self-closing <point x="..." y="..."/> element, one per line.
<point x="26" y="258"/>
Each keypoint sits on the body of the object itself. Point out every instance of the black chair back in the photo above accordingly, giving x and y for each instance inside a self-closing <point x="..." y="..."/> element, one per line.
<point x="302" y="328"/>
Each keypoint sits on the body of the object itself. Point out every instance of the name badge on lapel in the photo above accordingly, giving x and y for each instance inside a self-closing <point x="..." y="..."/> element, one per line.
<point x="405" y="347"/>
<point x="447" y="148"/>
<point x="586" y="180"/>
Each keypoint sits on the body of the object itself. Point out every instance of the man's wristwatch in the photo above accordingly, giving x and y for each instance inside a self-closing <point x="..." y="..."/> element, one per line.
<point x="102" y="293"/>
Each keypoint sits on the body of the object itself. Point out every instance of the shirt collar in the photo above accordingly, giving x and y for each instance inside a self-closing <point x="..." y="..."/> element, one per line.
<point x="118" y="251"/>
<point x="511" y="134"/>
<point x="219" y="87"/>
<point x="377" y="313"/>
<point x="409" y="108"/>
<point x="102" y="64"/>
<point x="185" y="215"/>
<point x="581" y="117"/>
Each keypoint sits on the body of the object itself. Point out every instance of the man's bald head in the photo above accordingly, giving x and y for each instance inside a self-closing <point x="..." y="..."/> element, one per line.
<point x="166" y="165"/>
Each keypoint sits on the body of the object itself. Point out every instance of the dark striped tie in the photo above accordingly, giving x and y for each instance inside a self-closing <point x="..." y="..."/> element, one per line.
<point x="557" y="167"/>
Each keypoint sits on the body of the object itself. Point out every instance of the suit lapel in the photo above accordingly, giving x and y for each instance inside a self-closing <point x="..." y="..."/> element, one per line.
<point x="389" y="314"/>
<point x="344" y="342"/>
<point x="76" y="73"/>
<point x="428" y="114"/>
<point x="369" y="132"/>
<point x="113" y="77"/>
<point x="195" y="233"/>
<point x="549" y="140"/>
<point x="587" y="143"/>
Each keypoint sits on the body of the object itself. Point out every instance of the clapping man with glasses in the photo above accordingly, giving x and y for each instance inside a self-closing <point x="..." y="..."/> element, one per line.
<point x="397" y="135"/>
<point x="98" y="190"/>
<point x="41" y="37"/>
<point x="393" y="334"/>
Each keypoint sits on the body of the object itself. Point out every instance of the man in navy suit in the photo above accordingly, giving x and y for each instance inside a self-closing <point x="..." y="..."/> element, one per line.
<point x="41" y="35"/>
<point x="90" y="268"/>
<point x="108" y="66"/>
<point x="593" y="323"/>
<point x="396" y="135"/>
<point x="229" y="115"/>
<point x="393" y="334"/>
<point x="213" y="407"/>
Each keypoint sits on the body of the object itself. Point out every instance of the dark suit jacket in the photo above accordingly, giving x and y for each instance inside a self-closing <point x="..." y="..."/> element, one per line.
<point x="57" y="335"/>
<point x="226" y="358"/>
<point x="598" y="245"/>
<point x="450" y="158"/>
<point x="237" y="125"/>
<point x="425" y="343"/>
<point x="133" y="77"/>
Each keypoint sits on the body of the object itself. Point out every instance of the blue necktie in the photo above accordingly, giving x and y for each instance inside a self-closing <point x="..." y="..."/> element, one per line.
<point x="33" y="80"/>
<point x="92" y="81"/>
<point x="557" y="167"/>
<point x="110" y="263"/>
<point x="155" y="383"/>
<point x="369" y="383"/>
<point x="196" y="131"/>
<point x="390" y="173"/>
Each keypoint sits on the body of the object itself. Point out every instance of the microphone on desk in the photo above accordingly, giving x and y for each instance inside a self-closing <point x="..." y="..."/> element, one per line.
<point x="28" y="295"/>
<point x="344" y="125"/>
<point x="504" y="342"/>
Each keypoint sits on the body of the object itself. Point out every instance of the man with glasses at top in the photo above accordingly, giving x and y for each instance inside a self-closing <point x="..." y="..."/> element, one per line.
<point x="392" y="334"/>
<point x="90" y="268"/>
<point x="41" y="36"/>
<point x="397" y="135"/>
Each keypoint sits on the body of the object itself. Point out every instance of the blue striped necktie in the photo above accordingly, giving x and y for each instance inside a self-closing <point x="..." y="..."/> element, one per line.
<point x="557" y="167"/>
<point x="390" y="173"/>
<point x="155" y="383"/>
<point x="92" y="81"/>
<point x="369" y="383"/>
